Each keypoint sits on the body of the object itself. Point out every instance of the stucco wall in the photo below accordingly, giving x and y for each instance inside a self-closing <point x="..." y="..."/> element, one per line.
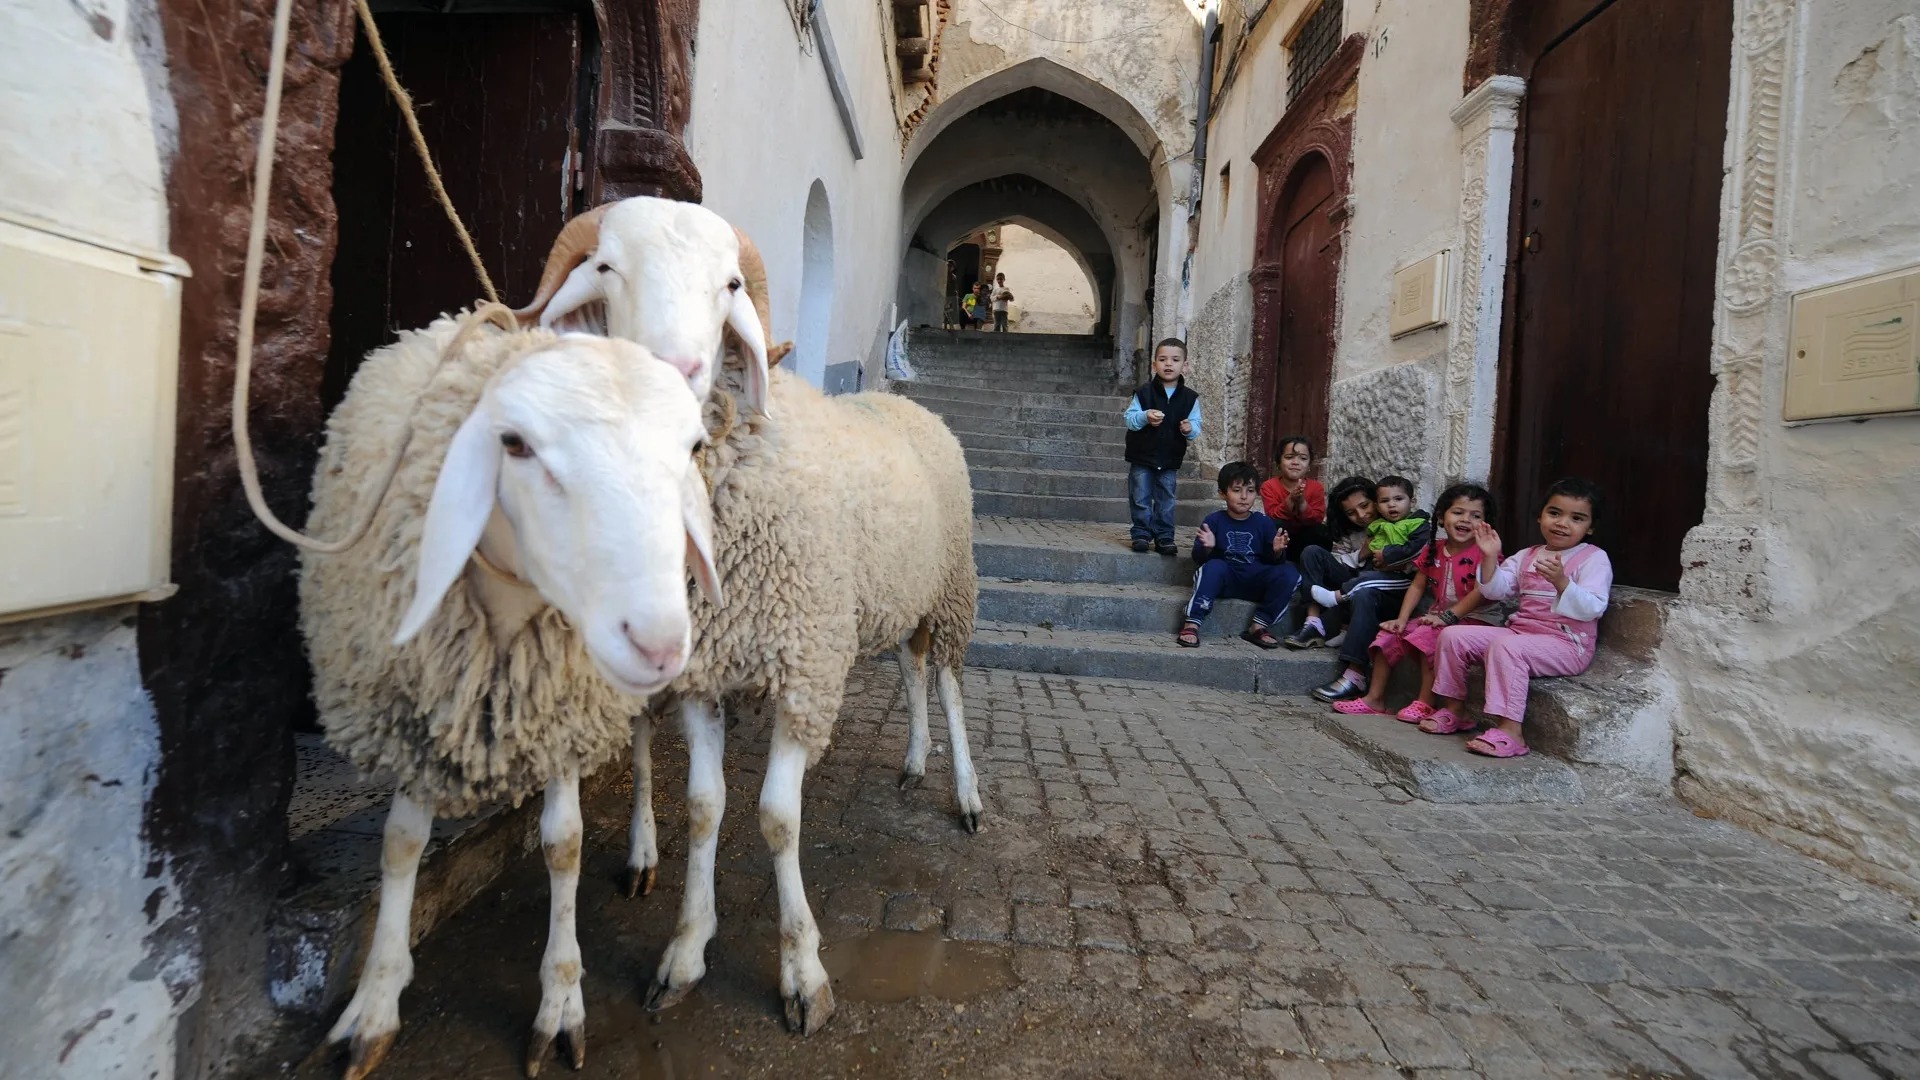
<point x="763" y="132"/>
<point x="1051" y="291"/>
<point x="1797" y="645"/>
<point x="98" y="969"/>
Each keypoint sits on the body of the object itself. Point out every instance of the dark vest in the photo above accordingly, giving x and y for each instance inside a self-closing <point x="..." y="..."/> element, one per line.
<point x="1161" y="447"/>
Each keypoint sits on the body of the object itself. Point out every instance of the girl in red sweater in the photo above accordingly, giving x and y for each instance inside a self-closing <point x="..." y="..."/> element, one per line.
<point x="1294" y="499"/>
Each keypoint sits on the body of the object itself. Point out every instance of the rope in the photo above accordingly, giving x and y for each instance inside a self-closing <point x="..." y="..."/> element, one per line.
<point x="256" y="254"/>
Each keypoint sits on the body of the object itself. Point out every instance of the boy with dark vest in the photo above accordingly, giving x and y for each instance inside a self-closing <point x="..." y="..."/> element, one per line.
<point x="1162" y="418"/>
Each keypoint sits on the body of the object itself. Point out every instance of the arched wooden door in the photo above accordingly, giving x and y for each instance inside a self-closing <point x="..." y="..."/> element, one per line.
<point x="1619" y="190"/>
<point x="1309" y="264"/>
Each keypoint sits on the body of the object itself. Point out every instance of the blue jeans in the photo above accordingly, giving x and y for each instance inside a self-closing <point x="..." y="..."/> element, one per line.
<point x="1268" y="585"/>
<point x="1152" y="492"/>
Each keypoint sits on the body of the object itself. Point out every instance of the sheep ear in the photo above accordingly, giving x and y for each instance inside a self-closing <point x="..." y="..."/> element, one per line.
<point x="745" y="322"/>
<point x="582" y="287"/>
<point x="463" y="498"/>
<point x="696" y="508"/>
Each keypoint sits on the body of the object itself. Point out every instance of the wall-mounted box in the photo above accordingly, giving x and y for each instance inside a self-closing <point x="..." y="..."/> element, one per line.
<point x="89" y="346"/>
<point x="1854" y="349"/>
<point x="1419" y="295"/>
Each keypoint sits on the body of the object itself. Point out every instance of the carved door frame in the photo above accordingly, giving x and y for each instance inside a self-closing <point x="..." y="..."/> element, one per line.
<point x="1314" y="124"/>
<point x="643" y="100"/>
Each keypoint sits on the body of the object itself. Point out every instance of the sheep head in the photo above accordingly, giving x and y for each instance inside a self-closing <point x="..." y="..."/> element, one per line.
<point x="672" y="276"/>
<point x="585" y="446"/>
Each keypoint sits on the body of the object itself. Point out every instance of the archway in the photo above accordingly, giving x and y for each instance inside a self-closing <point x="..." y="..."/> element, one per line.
<point x="1053" y="288"/>
<point x="816" y="289"/>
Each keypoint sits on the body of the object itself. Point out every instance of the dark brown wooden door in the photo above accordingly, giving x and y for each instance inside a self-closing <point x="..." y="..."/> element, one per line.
<point x="1309" y="261"/>
<point x="1620" y="208"/>
<point x="498" y="100"/>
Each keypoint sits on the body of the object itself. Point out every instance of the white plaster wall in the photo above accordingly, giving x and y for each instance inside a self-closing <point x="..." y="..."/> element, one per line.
<point x="86" y="123"/>
<point x="1797" y="645"/>
<point x="1051" y="291"/>
<point x="86" y="994"/>
<point x="95" y="974"/>
<point x="762" y="131"/>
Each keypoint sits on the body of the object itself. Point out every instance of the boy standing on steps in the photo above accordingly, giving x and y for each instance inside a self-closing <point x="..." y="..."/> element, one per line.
<point x="1162" y="418"/>
<point x="1243" y="556"/>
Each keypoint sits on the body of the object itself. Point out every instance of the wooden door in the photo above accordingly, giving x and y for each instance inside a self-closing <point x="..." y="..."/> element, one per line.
<point x="1309" y="262"/>
<point x="498" y="97"/>
<point x="1619" y="217"/>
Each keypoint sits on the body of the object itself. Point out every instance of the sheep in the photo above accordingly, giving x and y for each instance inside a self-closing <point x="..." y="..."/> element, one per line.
<point x="661" y="241"/>
<point x="519" y="595"/>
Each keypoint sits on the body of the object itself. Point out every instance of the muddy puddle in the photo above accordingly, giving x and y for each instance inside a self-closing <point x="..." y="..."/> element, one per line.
<point x="890" y="966"/>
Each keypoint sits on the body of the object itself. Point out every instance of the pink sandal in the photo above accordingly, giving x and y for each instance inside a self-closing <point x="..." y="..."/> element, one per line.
<point x="1497" y="743"/>
<point x="1358" y="707"/>
<point x="1414" y="712"/>
<point x="1445" y="722"/>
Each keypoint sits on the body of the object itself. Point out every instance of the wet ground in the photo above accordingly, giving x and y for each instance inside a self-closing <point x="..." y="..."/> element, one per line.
<point x="1190" y="883"/>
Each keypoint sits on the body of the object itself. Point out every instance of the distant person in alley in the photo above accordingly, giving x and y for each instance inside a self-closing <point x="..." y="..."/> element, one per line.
<point x="1162" y="418"/>
<point x="1001" y="297"/>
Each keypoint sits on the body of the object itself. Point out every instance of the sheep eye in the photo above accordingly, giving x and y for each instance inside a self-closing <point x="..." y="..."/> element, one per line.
<point x="605" y="268"/>
<point x="515" y="446"/>
<point x="734" y="285"/>
<point x="698" y="445"/>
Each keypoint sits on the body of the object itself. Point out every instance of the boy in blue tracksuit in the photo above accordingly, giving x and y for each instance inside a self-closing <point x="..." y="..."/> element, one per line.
<point x="1242" y="556"/>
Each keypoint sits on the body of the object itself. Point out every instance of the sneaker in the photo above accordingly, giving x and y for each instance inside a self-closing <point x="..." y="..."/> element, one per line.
<point x="1141" y="546"/>
<point x="1336" y="640"/>
<point x="1168" y="549"/>
<point x="1341" y="689"/>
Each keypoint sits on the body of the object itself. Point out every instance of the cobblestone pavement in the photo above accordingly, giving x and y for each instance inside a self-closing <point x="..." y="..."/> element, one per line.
<point x="1195" y="883"/>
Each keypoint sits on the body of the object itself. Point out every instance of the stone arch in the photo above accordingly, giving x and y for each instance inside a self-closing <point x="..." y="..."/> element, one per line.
<point x="816" y="288"/>
<point x="1046" y="74"/>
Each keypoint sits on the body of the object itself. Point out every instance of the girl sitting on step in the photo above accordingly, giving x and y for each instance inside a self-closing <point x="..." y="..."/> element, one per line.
<point x="1447" y="568"/>
<point x="1563" y="586"/>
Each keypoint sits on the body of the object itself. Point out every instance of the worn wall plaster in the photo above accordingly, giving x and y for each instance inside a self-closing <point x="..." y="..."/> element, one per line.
<point x="1219" y="343"/>
<point x="1386" y="422"/>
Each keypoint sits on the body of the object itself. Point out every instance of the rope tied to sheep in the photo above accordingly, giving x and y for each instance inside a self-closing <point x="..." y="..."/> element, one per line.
<point x="256" y="256"/>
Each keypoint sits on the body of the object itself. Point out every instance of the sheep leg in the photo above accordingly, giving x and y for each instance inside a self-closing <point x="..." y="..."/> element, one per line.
<point x="563" y="1010"/>
<point x="803" y="981"/>
<point x="643" y="854"/>
<point x="372" y="1018"/>
<point x="685" y="962"/>
<point x="966" y="785"/>
<point x="912" y="655"/>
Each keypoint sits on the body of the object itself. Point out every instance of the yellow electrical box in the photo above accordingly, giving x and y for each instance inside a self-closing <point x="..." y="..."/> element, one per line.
<point x="1854" y="349"/>
<point x="1419" y="295"/>
<point x="89" y="350"/>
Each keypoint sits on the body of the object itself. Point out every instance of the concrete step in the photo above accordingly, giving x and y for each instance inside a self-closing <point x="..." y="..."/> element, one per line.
<point x="1438" y="768"/>
<point x="1047" y="482"/>
<point x="1090" y="436"/>
<point x="1222" y="661"/>
<point x="1035" y="550"/>
<point x="968" y="340"/>
<point x="1021" y="443"/>
<point x="1110" y="468"/>
<point x="1029" y="384"/>
<point x="1130" y="607"/>
<point x="1012" y="408"/>
<point x="929" y="391"/>
<point x="1080" y="507"/>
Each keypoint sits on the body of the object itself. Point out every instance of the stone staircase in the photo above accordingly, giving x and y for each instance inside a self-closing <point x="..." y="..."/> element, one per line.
<point x="1061" y="592"/>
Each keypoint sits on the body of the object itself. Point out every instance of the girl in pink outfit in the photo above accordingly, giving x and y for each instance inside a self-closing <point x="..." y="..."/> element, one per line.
<point x="1446" y="570"/>
<point x="1562" y="585"/>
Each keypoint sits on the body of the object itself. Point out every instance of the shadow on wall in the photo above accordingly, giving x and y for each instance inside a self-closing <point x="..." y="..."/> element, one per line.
<point x="816" y="289"/>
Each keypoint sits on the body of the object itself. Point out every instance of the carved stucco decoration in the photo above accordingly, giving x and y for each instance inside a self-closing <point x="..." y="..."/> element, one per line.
<point x="1488" y="119"/>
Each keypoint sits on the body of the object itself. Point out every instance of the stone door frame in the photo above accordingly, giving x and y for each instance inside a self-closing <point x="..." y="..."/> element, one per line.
<point x="1320" y="121"/>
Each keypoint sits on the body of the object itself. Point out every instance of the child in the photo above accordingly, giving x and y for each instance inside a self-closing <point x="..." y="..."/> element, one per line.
<point x="1294" y="499"/>
<point x="1563" y="586"/>
<point x="1242" y="556"/>
<point x="1395" y="535"/>
<point x="969" y="305"/>
<point x="1162" y="418"/>
<point x="1447" y="567"/>
<point x="1334" y="565"/>
<point x="1001" y="296"/>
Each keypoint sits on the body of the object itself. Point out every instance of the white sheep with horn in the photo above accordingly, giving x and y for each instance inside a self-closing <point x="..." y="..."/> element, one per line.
<point x="522" y="589"/>
<point x="845" y="526"/>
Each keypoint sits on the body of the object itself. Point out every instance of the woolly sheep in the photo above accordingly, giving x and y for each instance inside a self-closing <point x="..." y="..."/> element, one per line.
<point x="851" y="517"/>
<point x="538" y="594"/>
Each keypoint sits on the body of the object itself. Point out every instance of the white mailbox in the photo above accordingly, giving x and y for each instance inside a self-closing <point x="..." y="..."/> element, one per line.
<point x="89" y="349"/>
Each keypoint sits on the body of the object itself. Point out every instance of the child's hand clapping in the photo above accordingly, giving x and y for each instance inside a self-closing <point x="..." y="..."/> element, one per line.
<point x="1489" y="540"/>
<point x="1204" y="536"/>
<point x="1280" y="539"/>
<point x="1549" y="565"/>
<point x="1154" y="416"/>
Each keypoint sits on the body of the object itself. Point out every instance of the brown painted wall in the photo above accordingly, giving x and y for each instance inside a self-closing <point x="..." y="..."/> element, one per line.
<point x="223" y="658"/>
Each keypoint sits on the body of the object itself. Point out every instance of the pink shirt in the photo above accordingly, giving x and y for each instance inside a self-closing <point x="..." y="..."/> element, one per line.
<point x="1452" y="576"/>
<point x="1574" y="612"/>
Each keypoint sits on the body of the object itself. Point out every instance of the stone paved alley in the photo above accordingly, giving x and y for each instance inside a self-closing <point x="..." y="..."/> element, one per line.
<point x="1183" y="881"/>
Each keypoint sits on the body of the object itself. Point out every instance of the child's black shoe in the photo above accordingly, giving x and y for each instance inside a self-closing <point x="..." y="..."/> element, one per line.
<point x="1141" y="546"/>
<point x="1169" y="549"/>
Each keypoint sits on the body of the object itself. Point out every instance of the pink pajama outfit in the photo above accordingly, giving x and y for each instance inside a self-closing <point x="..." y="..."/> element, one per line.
<point x="1550" y="634"/>
<point x="1449" y="579"/>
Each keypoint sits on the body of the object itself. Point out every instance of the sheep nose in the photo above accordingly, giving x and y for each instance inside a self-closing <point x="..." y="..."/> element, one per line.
<point x="687" y="366"/>
<point x="665" y="656"/>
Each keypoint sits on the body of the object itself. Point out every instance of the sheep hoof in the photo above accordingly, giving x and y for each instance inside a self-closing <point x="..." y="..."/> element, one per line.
<point x="663" y="997"/>
<point x="639" y="882"/>
<point x="537" y="1051"/>
<point x="808" y="1013"/>
<point x="910" y="780"/>
<point x="365" y="1054"/>
<point x="970" y="820"/>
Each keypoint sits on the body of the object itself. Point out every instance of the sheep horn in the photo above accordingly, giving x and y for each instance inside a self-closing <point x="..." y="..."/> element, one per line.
<point x="576" y="242"/>
<point x="754" y="269"/>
